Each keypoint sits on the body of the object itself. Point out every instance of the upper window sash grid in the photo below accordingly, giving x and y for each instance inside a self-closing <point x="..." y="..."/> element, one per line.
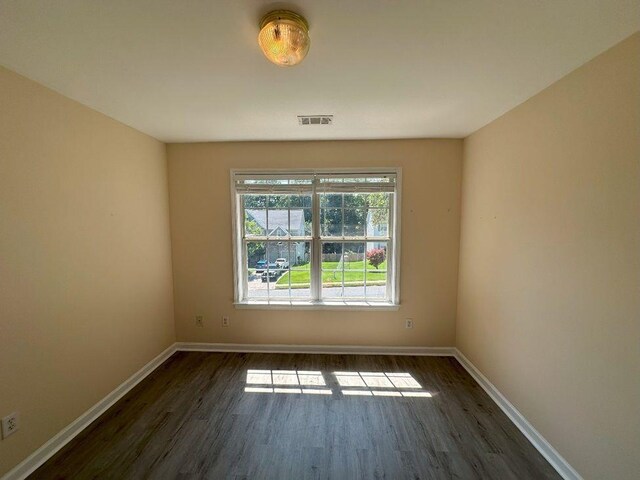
<point x="269" y="228"/>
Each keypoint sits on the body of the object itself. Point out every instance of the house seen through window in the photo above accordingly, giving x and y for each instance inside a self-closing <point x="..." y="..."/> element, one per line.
<point x="316" y="237"/>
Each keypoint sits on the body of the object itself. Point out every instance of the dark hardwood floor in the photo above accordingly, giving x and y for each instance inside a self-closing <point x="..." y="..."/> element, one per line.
<point x="240" y="416"/>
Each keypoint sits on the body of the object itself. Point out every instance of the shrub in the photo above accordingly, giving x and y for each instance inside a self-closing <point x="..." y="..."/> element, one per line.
<point x="376" y="256"/>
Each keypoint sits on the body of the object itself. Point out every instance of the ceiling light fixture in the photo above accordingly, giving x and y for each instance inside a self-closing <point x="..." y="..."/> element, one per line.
<point x="284" y="37"/>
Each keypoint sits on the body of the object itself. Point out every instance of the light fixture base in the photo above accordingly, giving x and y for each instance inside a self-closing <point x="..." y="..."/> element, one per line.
<point x="284" y="15"/>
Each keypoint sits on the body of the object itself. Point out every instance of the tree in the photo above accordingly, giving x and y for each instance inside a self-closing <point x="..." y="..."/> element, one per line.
<point x="380" y="214"/>
<point x="376" y="256"/>
<point x="255" y="250"/>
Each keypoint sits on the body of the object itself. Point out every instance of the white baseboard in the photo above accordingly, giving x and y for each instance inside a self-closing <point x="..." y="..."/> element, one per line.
<point x="315" y="349"/>
<point x="46" y="451"/>
<point x="537" y="440"/>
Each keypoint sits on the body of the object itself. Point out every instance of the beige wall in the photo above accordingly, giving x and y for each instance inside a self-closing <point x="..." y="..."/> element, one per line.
<point x="549" y="299"/>
<point x="85" y="266"/>
<point x="201" y="243"/>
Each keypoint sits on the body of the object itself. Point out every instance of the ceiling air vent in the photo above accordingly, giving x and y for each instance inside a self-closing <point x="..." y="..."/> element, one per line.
<point x="315" y="119"/>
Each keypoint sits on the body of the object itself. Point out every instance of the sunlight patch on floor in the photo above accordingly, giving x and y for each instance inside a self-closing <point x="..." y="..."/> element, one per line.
<point x="367" y="384"/>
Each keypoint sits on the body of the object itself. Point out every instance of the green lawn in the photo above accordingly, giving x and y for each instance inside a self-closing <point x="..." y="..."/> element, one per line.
<point x="353" y="275"/>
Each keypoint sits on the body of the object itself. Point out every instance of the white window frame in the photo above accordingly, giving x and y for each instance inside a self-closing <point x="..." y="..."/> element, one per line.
<point x="392" y="301"/>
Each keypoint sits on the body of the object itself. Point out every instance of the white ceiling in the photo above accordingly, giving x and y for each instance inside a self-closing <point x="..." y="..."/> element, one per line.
<point x="191" y="70"/>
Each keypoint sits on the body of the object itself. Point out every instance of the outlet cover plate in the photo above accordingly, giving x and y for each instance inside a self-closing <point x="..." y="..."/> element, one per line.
<point x="10" y="424"/>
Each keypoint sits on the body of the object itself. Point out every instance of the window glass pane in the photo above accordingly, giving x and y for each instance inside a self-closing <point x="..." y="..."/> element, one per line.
<point x="355" y="200"/>
<point x="377" y="200"/>
<point x="353" y="258"/>
<point x="332" y="284"/>
<point x="332" y="267"/>
<point x="278" y="255"/>
<point x="376" y="256"/>
<point x="300" y="256"/>
<point x="308" y="221"/>
<point x="331" y="222"/>
<point x="330" y="200"/>
<point x="297" y="222"/>
<point x="295" y="281"/>
<point x="255" y="222"/>
<point x="376" y="284"/>
<point x="255" y="201"/>
<point x="299" y="201"/>
<point x="277" y="201"/>
<point x="354" y="222"/>
<point x="278" y="223"/>
<point x="256" y="255"/>
<point x="272" y="269"/>
<point x="378" y="222"/>
<point x="354" y="265"/>
<point x="289" y="200"/>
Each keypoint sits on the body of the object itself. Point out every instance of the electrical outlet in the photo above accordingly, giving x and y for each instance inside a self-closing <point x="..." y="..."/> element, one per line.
<point x="408" y="323"/>
<point x="199" y="320"/>
<point x="10" y="424"/>
<point x="225" y="321"/>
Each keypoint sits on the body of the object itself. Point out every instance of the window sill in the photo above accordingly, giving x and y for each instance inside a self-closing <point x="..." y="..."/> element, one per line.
<point x="327" y="305"/>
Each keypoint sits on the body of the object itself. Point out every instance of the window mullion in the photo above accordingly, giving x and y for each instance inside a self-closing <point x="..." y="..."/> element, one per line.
<point x="364" y="263"/>
<point x="342" y="233"/>
<point x="390" y="251"/>
<point x="243" y="277"/>
<point x="289" y="260"/>
<point x="268" y="250"/>
<point x="342" y="256"/>
<point x="316" y="246"/>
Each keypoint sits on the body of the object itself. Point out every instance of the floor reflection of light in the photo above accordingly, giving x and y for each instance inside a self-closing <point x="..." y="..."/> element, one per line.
<point x="262" y="377"/>
<point x="403" y="380"/>
<point x="384" y="393"/>
<point x="284" y="377"/>
<point x="376" y="380"/>
<point x="416" y="394"/>
<point x="311" y="378"/>
<point x="379" y="384"/>
<point x="367" y="384"/>
<point x="349" y="379"/>
<point x="287" y="390"/>
<point x="314" y="391"/>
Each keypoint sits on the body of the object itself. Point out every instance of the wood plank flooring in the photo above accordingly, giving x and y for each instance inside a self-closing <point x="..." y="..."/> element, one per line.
<point x="192" y="419"/>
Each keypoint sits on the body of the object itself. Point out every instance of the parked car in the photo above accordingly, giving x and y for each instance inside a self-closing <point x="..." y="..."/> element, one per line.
<point x="282" y="263"/>
<point x="272" y="273"/>
<point x="261" y="266"/>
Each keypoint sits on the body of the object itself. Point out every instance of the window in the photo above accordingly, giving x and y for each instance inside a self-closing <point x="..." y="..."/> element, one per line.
<point x="316" y="238"/>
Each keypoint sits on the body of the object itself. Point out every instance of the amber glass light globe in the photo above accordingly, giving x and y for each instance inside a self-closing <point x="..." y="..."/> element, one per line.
<point x="284" y="37"/>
